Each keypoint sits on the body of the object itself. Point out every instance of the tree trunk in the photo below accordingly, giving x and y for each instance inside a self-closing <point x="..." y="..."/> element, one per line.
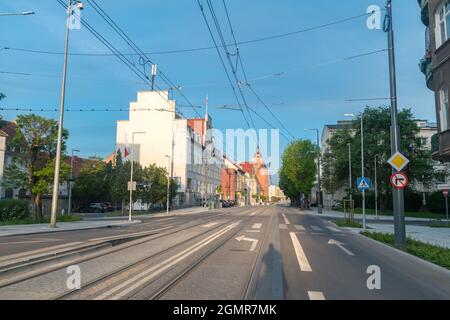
<point x="37" y="207"/>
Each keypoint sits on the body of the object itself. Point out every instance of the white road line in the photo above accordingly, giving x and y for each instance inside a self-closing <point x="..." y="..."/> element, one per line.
<point x="209" y="225"/>
<point x="253" y="231"/>
<point x="316" y="295"/>
<point x="317" y="228"/>
<point x="257" y="226"/>
<point x="301" y="257"/>
<point x="334" y="229"/>
<point x="283" y="226"/>
<point x="286" y="221"/>
<point x="252" y="214"/>
<point x="300" y="227"/>
<point x="145" y="276"/>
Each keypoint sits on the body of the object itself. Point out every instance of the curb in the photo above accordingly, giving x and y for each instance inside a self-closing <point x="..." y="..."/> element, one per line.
<point x="68" y="230"/>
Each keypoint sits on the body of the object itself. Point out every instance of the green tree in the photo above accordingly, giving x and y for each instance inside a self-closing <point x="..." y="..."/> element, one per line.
<point x="34" y="151"/>
<point x="298" y="170"/>
<point x="377" y="145"/>
<point x="92" y="184"/>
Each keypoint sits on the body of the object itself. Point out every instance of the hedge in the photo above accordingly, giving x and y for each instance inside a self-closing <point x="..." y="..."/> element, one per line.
<point x="12" y="209"/>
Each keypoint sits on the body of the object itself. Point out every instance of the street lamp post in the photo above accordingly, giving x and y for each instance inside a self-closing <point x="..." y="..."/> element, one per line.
<point x="319" y="197"/>
<point x="362" y="167"/>
<point x="61" y="116"/>
<point x="376" y="188"/>
<point x="168" y="184"/>
<point x="69" y="207"/>
<point x="130" y="210"/>
<point x="350" y="171"/>
<point x="25" y="13"/>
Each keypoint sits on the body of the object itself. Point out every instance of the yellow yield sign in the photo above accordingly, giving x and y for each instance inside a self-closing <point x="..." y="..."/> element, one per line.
<point x="398" y="161"/>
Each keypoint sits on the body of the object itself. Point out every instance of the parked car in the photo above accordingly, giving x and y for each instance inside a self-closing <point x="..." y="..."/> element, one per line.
<point x="109" y="206"/>
<point x="96" y="208"/>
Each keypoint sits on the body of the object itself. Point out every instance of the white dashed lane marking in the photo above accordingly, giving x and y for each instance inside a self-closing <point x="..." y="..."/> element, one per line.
<point x="209" y="225"/>
<point x="299" y="227"/>
<point x="316" y="295"/>
<point x="301" y="257"/>
<point x="286" y="221"/>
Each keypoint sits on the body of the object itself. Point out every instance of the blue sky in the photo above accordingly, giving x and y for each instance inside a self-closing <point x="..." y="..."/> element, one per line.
<point x="311" y="93"/>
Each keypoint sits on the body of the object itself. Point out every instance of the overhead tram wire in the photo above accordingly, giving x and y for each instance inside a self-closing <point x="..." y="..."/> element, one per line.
<point x="245" y="74"/>
<point x="227" y="54"/>
<point x="187" y="50"/>
<point x="115" y="51"/>
<point x="136" y="48"/>
<point x="234" y="70"/>
<point x="223" y="62"/>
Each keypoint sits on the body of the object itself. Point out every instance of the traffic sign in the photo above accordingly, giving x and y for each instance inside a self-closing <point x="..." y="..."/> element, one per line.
<point x="398" y="161"/>
<point x="399" y="180"/>
<point x="363" y="184"/>
<point x="131" y="186"/>
<point x="445" y="193"/>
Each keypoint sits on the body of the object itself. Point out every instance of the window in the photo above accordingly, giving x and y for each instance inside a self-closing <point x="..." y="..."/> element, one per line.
<point x="443" y="108"/>
<point x="443" y="24"/>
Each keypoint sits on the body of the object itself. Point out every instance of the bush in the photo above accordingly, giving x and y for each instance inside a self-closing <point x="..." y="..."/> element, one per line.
<point x="12" y="209"/>
<point x="436" y="202"/>
<point x="413" y="201"/>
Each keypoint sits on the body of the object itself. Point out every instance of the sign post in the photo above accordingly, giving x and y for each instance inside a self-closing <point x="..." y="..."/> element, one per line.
<point x="445" y="193"/>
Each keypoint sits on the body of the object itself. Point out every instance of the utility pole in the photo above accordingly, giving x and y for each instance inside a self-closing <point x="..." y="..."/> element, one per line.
<point x="69" y="207"/>
<point x="319" y="184"/>
<point x="398" y="196"/>
<point x="362" y="166"/>
<point x="376" y="188"/>
<point x="362" y="172"/>
<point x="350" y="171"/>
<point x="61" y="116"/>
<point x="130" y="209"/>
<point x="168" y="184"/>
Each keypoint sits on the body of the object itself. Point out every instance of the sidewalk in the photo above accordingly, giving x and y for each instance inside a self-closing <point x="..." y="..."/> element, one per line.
<point x="434" y="236"/>
<point x="338" y="214"/>
<point x="62" y="226"/>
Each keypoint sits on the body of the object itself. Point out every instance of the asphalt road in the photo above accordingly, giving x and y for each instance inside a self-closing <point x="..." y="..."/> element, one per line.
<point x="267" y="252"/>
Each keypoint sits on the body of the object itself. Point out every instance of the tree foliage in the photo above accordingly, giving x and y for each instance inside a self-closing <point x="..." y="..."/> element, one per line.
<point x="377" y="145"/>
<point x="34" y="150"/>
<point x="298" y="170"/>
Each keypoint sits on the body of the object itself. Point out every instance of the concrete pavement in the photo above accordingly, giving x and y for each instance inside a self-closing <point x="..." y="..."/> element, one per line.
<point x="435" y="236"/>
<point x="267" y="252"/>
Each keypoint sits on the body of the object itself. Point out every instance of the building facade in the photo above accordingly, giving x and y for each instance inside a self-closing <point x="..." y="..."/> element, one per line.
<point x="436" y="67"/>
<point x="157" y="134"/>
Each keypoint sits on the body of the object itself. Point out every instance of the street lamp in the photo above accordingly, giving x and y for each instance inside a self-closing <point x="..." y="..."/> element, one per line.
<point x="61" y="115"/>
<point x="362" y="166"/>
<point x="319" y="197"/>
<point x="69" y="207"/>
<point x="25" y="13"/>
<point x="131" y="174"/>
<point x="168" y="184"/>
<point x="350" y="171"/>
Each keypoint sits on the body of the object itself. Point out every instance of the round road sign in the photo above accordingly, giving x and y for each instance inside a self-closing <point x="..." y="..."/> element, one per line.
<point x="399" y="180"/>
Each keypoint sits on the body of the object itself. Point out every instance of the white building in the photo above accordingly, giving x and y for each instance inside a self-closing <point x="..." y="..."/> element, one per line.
<point x="195" y="161"/>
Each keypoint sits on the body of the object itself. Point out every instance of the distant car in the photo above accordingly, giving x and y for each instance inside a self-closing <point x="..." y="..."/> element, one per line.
<point x="96" y="208"/>
<point x="109" y="206"/>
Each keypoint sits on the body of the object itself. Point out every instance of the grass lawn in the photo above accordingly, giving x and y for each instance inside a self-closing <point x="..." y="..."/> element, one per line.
<point x="45" y="220"/>
<point x="426" y="215"/>
<point x="440" y="225"/>
<point x="431" y="253"/>
<point x="348" y="224"/>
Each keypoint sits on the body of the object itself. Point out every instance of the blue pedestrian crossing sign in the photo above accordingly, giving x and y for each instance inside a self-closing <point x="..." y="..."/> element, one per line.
<point x="363" y="184"/>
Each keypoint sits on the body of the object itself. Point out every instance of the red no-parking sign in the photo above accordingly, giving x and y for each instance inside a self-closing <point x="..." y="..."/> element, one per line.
<point x="399" y="180"/>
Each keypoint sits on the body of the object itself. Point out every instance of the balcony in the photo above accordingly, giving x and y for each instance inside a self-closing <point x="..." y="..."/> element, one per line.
<point x="426" y="66"/>
<point x="435" y="145"/>
<point x="425" y="12"/>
